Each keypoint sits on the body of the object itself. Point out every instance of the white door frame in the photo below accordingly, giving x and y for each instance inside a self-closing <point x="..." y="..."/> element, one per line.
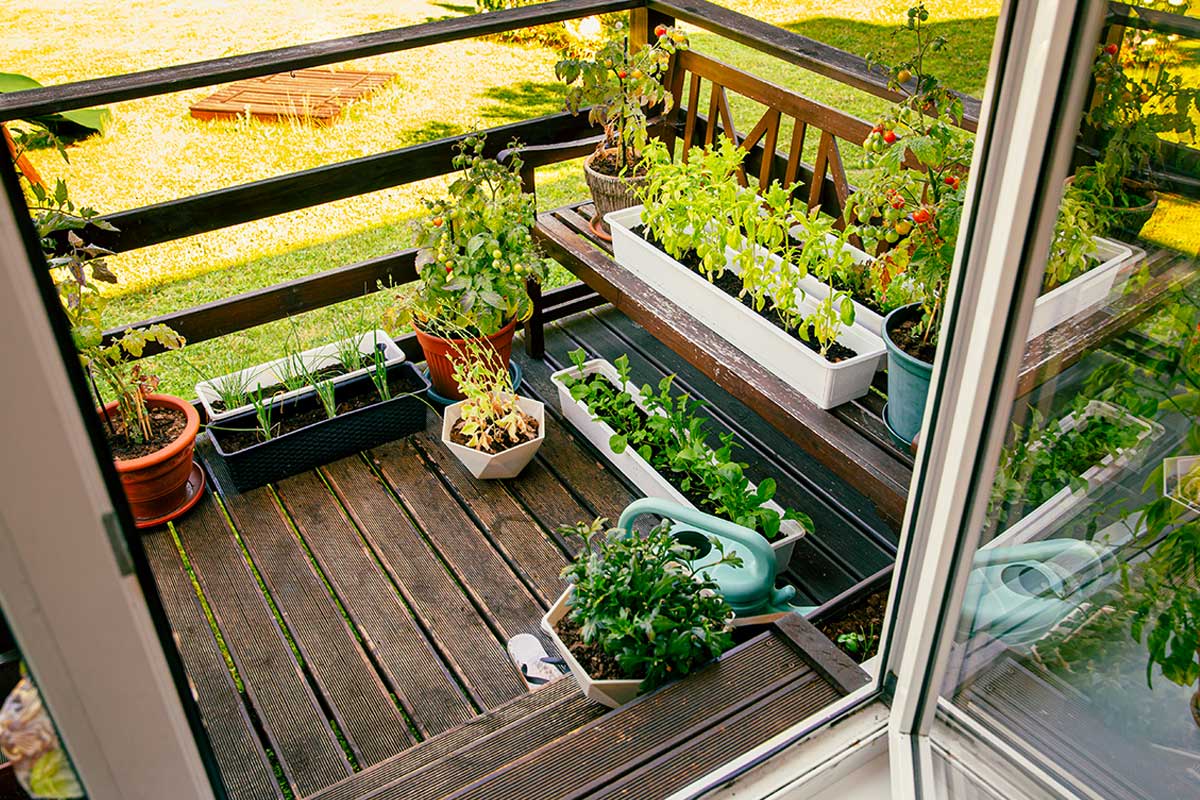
<point x="69" y="595"/>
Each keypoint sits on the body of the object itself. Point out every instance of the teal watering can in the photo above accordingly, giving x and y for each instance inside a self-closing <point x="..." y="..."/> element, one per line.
<point x="749" y="589"/>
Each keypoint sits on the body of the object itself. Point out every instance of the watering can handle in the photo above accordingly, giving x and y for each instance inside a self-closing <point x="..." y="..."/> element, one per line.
<point x="748" y="541"/>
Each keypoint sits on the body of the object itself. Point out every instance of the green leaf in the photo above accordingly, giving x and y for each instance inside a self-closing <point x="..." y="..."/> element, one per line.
<point x="617" y="443"/>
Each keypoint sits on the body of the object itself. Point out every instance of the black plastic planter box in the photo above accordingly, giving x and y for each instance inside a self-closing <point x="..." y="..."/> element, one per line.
<point x="324" y="441"/>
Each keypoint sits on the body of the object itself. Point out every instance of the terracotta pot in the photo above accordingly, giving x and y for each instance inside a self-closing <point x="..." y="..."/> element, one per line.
<point x="438" y="352"/>
<point x="609" y="193"/>
<point x="156" y="485"/>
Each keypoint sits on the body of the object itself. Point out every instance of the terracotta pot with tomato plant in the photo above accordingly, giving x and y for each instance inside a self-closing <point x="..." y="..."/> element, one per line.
<point x="475" y="255"/>
<point x="908" y="210"/>
<point x="150" y="435"/>
<point x="617" y="85"/>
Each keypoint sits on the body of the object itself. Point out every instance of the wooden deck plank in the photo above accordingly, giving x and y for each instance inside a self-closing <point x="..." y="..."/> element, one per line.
<point x="840" y="534"/>
<point x="486" y="576"/>
<point x="413" y="667"/>
<point x="482" y="756"/>
<point x="371" y="723"/>
<point x="303" y="741"/>
<point x="720" y="744"/>
<point x="244" y="767"/>
<point x="528" y="549"/>
<point x="642" y="730"/>
<point x="840" y="448"/>
<point x="389" y="772"/>
<point x="450" y="618"/>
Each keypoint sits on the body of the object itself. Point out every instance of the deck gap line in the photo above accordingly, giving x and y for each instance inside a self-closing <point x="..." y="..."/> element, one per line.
<point x="553" y="535"/>
<point x="331" y="714"/>
<point x="491" y="624"/>
<point x="353" y="626"/>
<point x="426" y="633"/>
<point x="820" y="494"/>
<point x="381" y="564"/>
<point x="277" y="771"/>
<point x="767" y="453"/>
<point x="509" y="562"/>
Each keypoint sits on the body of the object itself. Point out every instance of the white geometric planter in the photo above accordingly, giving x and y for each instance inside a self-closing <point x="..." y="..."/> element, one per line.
<point x="647" y="479"/>
<point x="1175" y="469"/>
<point x="1081" y="292"/>
<point x="612" y="693"/>
<point x="825" y="384"/>
<point x="317" y="358"/>
<point x="507" y="464"/>
<point x="1048" y="516"/>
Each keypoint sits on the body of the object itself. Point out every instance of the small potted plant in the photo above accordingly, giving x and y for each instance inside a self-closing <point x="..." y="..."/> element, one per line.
<point x="1137" y="100"/>
<point x="494" y="432"/>
<point x="617" y="86"/>
<point x="151" y="436"/>
<point x="909" y="218"/>
<point x="635" y="615"/>
<point x="476" y="252"/>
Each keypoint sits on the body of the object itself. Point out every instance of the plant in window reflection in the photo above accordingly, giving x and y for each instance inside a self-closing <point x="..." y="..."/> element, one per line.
<point x="1072" y="248"/>
<point x="910" y="204"/>
<point x="1139" y="100"/>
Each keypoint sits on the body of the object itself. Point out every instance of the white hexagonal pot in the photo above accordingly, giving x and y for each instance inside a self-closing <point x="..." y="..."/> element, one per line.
<point x="500" y="465"/>
<point x="612" y="693"/>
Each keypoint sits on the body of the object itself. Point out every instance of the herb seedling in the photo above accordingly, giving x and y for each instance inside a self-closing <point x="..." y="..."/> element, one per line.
<point x="859" y="643"/>
<point x="326" y="393"/>
<point x="491" y="418"/>
<point x="637" y="599"/>
<point x="262" y="413"/>
<point x="379" y="374"/>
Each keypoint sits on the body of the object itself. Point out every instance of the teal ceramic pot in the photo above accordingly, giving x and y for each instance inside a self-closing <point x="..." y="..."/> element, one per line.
<point x="907" y="380"/>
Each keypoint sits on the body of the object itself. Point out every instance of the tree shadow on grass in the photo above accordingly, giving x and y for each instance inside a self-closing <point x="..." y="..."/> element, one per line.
<point x="963" y="64"/>
<point x="522" y="100"/>
<point x="457" y="8"/>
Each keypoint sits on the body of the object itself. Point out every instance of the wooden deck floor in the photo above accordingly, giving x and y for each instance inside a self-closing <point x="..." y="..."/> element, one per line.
<point x="340" y="617"/>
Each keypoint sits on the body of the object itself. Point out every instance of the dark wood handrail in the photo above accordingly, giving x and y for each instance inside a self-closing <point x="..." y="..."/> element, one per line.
<point x="114" y="89"/>
<point x="233" y="205"/>
<point x="1148" y="19"/>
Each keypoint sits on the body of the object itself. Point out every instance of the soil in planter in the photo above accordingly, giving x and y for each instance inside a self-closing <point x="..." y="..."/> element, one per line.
<point x="598" y="664"/>
<point x="908" y="339"/>
<point x="165" y="423"/>
<point x="865" y="618"/>
<point x="234" y="439"/>
<point x="607" y="162"/>
<point x="500" y="438"/>
<point x="731" y="285"/>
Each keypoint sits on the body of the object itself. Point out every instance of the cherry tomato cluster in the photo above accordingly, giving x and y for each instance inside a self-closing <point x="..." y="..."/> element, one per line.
<point x="879" y="138"/>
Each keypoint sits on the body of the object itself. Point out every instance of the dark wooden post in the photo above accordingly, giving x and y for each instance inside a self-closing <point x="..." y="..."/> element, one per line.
<point x="642" y="22"/>
<point x="535" y="326"/>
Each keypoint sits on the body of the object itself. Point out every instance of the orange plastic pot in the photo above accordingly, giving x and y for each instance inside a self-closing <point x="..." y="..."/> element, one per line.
<point x="440" y="356"/>
<point x="156" y="485"/>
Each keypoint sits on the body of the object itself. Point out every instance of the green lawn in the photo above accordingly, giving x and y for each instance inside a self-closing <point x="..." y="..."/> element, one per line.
<point x="154" y="151"/>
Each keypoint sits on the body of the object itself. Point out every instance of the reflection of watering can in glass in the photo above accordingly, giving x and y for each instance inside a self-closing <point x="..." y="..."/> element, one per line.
<point x="1017" y="594"/>
<point x="749" y="589"/>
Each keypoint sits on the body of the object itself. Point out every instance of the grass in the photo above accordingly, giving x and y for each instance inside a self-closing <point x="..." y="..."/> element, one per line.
<point x="154" y="151"/>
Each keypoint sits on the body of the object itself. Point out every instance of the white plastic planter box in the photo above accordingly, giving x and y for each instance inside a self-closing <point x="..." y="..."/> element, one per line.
<point x="1049" y="516"/>
<point x="315" y="359"/>
<point x="814" y="288"/>
<point x="825" y="384"/>
<point x="612" y="693"/>
<point x="506" y="464"/>
<point x="1082" y="292"/>
<point x="1175" y="469"/>
<point x="634" y="467"/>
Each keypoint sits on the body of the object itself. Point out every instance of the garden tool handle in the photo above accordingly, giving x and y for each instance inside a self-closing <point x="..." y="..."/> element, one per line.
<point x="748" y="541"/>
